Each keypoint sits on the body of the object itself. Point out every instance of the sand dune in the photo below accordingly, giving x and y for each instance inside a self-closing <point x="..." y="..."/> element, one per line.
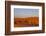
<point x="23" y="22"/>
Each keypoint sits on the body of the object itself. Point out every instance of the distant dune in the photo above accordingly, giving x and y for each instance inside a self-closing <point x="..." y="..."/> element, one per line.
<point x="29" y="21"/>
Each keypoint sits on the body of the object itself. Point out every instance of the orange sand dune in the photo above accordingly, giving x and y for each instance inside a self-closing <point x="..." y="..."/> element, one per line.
<point x="30" y="21"/>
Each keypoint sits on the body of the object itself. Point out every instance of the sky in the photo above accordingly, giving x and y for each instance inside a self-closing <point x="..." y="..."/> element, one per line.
<point x="25" y="12"/>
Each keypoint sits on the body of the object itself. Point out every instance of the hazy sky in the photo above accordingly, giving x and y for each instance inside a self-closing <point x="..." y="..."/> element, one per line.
<point x="21" y="12"/>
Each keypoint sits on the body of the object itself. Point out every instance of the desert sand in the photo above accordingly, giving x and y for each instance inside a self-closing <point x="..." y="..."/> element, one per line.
<point x="26" y="22"/>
